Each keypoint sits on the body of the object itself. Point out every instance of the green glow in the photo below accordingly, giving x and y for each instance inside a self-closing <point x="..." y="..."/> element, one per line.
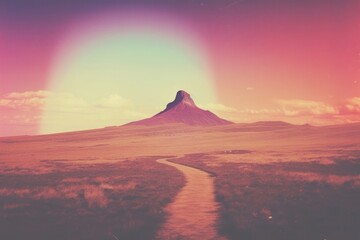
<point x="143" y="67"/>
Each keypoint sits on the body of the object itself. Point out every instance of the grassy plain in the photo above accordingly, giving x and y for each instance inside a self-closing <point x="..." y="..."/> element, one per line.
<point x="272" y="180"/>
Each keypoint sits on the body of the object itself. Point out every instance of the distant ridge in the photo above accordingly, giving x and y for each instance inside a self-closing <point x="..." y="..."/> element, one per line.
<point x="183" y="110"/>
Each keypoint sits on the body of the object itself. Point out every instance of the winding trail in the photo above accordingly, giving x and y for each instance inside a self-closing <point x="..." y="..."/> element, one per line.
<point x="194" y="212"/>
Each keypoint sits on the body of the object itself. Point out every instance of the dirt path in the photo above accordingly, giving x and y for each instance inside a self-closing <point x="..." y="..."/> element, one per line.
<point x="193" y="213"/>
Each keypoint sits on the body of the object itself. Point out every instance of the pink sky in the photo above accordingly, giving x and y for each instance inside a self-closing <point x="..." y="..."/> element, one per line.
<point x="272" y="60"/>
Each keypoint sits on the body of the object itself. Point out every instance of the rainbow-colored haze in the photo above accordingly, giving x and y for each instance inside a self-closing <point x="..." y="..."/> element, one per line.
<point x="70" y="65"/>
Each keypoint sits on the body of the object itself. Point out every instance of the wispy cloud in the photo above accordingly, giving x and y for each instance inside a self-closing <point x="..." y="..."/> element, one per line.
<point x="30" y="99"/>
<point x="318" y="112"/>
<point x="218" y="108"/>
<point x="61" y="110"/>
<point x="114" y="101"/>
<point x="299" y="111"/>
<point x="351" y="106"/>
<point x="293" y="107"/>
<point x="67" y="112"/>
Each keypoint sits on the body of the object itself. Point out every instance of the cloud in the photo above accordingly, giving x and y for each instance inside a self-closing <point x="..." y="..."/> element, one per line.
<point x="320" y="113"/>
<point x="254" y="115"/>
<point x="221" y="110"/>
<point x="65" y="102"/>
<point x="114" y="101"/>
<point x="28" y="94"/>
<point x="261" y="111"/>
<point x="67" y="112"/>
<point x="295" y="107"/>
<point x="351" y="105"/>
<point x="217" y="107"/>
<point x="297" y="111"/>
<point x="32" y="100"/>
<point x="59" y="101"/>
<point x="24" y="100"/>
<point x="61" y="111"/>
<point x="300" y="111"/>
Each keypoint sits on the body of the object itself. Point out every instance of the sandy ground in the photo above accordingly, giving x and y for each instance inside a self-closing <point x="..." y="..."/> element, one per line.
<point x="194" y="212"/>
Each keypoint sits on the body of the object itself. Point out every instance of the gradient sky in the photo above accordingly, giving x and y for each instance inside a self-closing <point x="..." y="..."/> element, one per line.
<point x="71" y="65"/>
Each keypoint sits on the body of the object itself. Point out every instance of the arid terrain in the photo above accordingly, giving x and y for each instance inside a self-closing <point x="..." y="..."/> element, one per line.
<point x="272" y="180"/>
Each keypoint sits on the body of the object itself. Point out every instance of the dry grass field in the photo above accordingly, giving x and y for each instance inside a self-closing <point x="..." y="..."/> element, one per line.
<point x="121" y="199"/>
<point x="272" y="180"/>
<point x="286" y="200"/>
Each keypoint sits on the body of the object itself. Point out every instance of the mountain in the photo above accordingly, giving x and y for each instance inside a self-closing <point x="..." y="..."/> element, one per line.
<point x="183" y="110"/>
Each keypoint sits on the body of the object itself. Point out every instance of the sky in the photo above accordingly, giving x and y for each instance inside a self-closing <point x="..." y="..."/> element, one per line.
<point x="74" y="65"/>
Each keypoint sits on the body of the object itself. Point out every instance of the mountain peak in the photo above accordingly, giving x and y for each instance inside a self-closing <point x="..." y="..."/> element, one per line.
<point x="183" y="110"/>
<point x="182" y="98"/>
